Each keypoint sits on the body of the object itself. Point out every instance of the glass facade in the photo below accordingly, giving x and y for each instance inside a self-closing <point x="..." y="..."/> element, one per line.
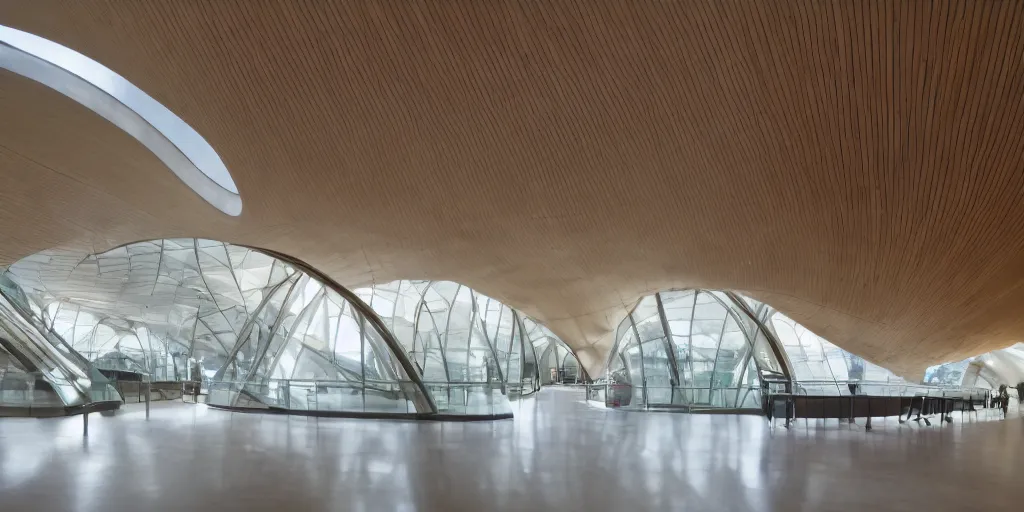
<point x="989" y="371"/>
<point x="690" y="349"/>
<point x="261" y="330"/>
<point x="821" y="368"/>
<point x="469" y="348"/>
<point x="556" y="361"/>
<point x="704" y="349"/>
<point x="948" y="374"/>
<point x="256" y="330"/>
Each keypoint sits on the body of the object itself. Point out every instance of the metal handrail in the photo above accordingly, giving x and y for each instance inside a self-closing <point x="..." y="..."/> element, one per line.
<point x="99" y="391"/>
<point x="901" y="387"/>
<point x="453" y="398"/>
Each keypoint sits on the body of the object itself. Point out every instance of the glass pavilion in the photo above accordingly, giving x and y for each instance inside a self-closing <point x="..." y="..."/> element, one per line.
<point x="705" y="349"/>
<point x="695" y="349"/>
<point x="262" y="330"/>
<point x="460" y="339"/>
<point x="259" y="331"/>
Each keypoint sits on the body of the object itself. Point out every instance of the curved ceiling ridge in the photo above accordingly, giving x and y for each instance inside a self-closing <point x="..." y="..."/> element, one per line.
<point x="180" y="147"/>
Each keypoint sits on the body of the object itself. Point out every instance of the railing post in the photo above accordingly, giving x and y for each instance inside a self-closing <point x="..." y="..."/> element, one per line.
<point x="149" y="387"/>
<point x="85" y="424"/>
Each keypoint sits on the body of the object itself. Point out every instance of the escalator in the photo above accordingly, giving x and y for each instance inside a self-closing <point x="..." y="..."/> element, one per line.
<point x="43" y="375"/>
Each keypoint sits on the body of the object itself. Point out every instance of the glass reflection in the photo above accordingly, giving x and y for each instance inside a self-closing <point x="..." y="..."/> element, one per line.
<point x="690" y="349"/>
<point x="256" y="330"/>
<point x="472" y="348"/>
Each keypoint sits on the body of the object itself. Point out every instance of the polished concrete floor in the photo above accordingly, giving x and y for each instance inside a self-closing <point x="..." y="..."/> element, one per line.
<point x="559" y="454"/>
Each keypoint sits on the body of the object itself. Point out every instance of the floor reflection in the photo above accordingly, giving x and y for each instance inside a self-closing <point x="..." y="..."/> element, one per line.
<point x="558" y="454"/>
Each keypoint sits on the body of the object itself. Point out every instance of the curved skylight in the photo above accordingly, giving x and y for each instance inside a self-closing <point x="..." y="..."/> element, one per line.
<point x="108" y="94"/>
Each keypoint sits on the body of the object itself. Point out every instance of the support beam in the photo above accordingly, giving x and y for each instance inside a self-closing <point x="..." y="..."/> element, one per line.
<point x="427" y="404"/>
<point x="669" y="344"/>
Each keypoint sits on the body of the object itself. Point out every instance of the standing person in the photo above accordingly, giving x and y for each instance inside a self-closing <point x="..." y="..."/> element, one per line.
<point x="1004" y="398"/>
<point x="197" y="379"/>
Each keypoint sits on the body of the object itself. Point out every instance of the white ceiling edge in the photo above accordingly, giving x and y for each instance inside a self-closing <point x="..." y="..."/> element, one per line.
<point x="106" y="93"/>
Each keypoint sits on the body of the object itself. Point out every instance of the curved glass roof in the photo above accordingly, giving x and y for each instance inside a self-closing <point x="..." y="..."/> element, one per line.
<point x="557" y="362"/>
<point x="265" y="332"/>
<point x="455" y="334"/>
<point x="819" y="367"/>
<point x="714" y="349"/>
<point x="186" y="153"/>
<point x="692" y="349"/>
<point x="989" y="370"/>
<point x="260" y="330"/>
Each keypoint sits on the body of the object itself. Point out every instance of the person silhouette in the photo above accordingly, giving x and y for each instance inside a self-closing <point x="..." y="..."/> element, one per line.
<point x="1004" y="398"/>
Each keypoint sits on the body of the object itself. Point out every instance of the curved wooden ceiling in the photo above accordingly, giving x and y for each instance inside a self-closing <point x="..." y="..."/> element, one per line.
<point x="855" y="164"/>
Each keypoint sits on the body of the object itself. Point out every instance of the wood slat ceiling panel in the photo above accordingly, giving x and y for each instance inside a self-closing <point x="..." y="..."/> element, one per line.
<point x="856" y="164"/>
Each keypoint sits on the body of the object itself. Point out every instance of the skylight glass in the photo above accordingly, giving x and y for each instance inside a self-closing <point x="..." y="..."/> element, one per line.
<point x="93" y="85"/>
